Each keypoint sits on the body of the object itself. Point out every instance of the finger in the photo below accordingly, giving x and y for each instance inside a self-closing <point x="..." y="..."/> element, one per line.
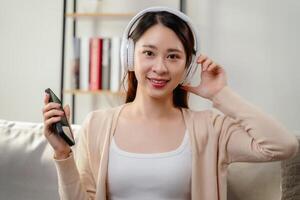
<point x="212" y="66"/>
<point x="188" y="88"/>
<point x="51" y="106"/>
<point x="206" y="64"/>
<point x="46" y="98"/>
<point x="202" y="58"/>
<point x="51" y="121"/>
<point x="67" y="111"/>
<point x="202" y="69"/>
<point x="53" y="113"/>
<point x="218" y="70"/>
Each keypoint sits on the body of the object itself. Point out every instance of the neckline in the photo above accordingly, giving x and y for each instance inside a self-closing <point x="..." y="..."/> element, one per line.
<point x="174" y="152"/>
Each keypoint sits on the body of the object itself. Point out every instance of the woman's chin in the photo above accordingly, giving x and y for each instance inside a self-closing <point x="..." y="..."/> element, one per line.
<point x="159" y="93"/>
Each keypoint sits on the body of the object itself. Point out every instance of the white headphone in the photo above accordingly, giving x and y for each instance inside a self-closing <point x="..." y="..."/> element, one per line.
<point x="127" y="45"/>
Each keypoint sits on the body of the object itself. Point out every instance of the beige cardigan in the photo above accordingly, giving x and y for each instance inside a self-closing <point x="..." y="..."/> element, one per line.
<point x="244" y="133"/>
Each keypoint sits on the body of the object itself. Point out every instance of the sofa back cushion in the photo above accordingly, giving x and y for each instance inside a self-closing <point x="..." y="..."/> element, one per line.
<point x="290" y="172"/>
<point x="27" y="170"/>
<point x="254" y="181"/>
<point x="278" y="180"/>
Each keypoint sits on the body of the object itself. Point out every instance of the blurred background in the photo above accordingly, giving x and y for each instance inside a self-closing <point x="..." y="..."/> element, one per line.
<point x="257" y="42"/>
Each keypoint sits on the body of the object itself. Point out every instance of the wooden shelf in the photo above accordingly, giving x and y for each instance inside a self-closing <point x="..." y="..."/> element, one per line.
<point x="114" y="15"/>
<point x="94" y="92"/>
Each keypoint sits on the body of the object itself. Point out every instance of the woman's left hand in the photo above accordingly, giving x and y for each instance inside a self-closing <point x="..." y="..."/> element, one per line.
<point x="213" y="79"/>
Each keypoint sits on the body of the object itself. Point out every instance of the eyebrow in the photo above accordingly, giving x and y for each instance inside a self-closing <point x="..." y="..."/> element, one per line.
<point x="169" y="50"/>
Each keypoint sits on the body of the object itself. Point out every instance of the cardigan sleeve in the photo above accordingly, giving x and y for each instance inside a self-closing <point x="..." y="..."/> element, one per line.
<point x="75" y="178"/>
<point x="246" y="134"/>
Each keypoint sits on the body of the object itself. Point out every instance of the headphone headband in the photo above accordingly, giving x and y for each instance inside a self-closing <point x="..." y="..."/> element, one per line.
<point x="127" y="46"/>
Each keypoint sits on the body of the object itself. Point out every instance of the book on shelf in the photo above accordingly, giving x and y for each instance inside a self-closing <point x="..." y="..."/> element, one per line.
<point x="75" y="63"/>
<point x="115" y="78"/>
<point x="95" y="64"/>
<point x="84" y="63"/>
<point x="98" y="64"/>
<point x="106" y="64"/>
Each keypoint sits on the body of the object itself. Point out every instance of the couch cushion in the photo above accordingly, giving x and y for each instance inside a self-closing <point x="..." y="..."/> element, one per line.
<point x="254" y="181"/>
<point x="27" y="170"/>
<point x="262" y="181"/>
<point x="290" y="172"/>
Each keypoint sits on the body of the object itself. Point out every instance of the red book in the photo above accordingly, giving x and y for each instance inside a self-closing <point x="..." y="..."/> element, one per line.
<point x="95" y="64"/>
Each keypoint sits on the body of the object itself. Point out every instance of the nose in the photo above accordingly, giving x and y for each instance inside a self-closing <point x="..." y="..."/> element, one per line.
<point x="160" y="66"/>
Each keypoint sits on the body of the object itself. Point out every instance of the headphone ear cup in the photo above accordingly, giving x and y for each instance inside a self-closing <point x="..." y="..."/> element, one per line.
<point x="130" y="55"/>
<point x="190" y="71"/>
<point x="183" y="79"/>
<point x="123" y="54"/>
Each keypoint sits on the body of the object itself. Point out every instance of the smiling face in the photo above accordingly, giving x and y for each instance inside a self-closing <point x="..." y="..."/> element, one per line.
<point x="159" y="61"/>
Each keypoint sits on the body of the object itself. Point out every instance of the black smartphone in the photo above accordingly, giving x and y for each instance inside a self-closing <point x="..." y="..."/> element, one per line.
<point x="61" y="128"/>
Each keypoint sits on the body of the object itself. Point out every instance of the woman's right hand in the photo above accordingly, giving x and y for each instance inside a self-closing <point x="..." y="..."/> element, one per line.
<point x="52" y="112"/>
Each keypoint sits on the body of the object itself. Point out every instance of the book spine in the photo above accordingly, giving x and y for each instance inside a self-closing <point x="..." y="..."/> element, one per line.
<point x="100" y="51"/>
<point x="84" y="63"/>
<point x="95" y="63"/>
<point x="106" y="64"/>
<point x="76" y="64"/>
<point x="115" y="72"/>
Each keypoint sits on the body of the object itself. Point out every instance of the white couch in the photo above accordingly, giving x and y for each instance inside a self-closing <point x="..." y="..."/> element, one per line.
<point x="27" y="171"/>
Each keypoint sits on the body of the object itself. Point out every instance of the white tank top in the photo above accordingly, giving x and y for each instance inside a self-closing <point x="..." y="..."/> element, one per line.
<point x="159" y="176"/>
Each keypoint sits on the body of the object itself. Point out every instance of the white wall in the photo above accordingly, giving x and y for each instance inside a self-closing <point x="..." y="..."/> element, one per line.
<point x="256" y="41"/>
<point x="30" y="40"/>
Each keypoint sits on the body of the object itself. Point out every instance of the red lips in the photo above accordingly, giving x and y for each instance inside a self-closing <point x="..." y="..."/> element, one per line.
<point x="158" y="83"/>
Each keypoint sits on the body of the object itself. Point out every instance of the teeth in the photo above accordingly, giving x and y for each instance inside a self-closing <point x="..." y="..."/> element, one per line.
<point x="158" y="81"/>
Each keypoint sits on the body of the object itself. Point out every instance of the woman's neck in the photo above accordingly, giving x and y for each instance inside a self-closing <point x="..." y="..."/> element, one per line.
<point x="153" y="108"/>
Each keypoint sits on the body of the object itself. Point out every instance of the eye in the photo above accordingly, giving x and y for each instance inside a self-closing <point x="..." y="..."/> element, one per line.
<point x="148" y="53"/>
<point x="173" y="56"/>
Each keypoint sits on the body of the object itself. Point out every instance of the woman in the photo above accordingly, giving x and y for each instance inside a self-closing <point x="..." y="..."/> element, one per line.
<point x="154" y="147"/>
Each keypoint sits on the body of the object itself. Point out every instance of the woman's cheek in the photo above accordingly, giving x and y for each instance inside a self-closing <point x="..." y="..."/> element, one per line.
<point x="145" y="63"/>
